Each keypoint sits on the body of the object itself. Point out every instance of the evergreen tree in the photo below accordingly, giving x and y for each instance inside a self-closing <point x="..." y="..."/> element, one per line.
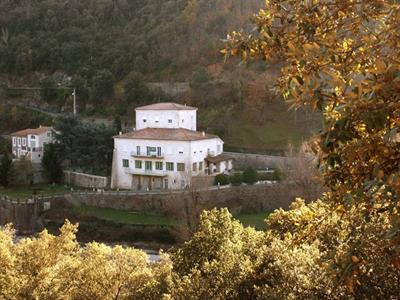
<point x="5" y="169"/>
<point x="52" y="164"/>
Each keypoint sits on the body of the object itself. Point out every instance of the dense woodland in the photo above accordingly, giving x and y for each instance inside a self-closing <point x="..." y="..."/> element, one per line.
<point x="84" y="38"/>
<point x="109" y="49"/>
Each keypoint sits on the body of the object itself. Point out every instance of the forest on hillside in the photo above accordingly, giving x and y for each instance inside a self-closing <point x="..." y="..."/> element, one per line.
<point x="110" y="49"/>
<point x="86" y="37"/>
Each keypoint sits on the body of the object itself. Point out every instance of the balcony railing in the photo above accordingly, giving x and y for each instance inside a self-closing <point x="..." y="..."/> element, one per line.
<point x="35" y="149"/>
<point x="142" y="172"/>
<point x="145" y="155"/>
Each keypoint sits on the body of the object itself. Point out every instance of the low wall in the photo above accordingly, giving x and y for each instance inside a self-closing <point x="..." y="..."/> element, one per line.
<point x="241" y="199"/>
<point x="258" y="161"/>
<point x="24" y="215"/>
<point x="85" y="180"/>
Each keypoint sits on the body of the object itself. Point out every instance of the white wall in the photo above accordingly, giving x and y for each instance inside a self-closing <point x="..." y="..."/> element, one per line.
<point x="195" y="151"/>
<point x="160" y="119"/>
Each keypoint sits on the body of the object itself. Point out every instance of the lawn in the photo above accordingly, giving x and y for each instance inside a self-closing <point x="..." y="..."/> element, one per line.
<point x="256" y="220"/>
<point x="140" y="218"/>
<point x="125" y="217"/>
<point x="24" y="192"/>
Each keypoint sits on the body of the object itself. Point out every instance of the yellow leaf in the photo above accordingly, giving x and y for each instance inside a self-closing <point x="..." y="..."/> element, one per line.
<point x="380" y="65"/>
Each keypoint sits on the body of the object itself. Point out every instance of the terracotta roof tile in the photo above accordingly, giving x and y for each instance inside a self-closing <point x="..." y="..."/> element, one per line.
<point x="219" y="158"/>
<point x="34" y="131"/>
<point x="166" y="106"/>
<point x="173" y="134"/>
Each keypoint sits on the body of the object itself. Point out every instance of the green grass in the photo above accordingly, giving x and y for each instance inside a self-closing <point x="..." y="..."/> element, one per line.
<point x="125" y="217"/>
<point x="24" y="192"/>
<point x="256" y="220"/>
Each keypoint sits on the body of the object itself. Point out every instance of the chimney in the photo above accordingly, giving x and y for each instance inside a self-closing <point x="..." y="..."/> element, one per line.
<point x="120" y="133"/>
<point x="203" y="133"/>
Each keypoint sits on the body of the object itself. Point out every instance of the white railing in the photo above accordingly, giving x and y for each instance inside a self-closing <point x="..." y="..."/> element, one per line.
<point x="145" y="155"/>
<point x="35" y="149"/>
<point x="146" y="172"/>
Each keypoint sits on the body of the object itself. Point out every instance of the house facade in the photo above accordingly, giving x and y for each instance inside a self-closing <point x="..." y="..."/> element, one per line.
<point x="165" y="151"/>
<point x="30" y="143"/>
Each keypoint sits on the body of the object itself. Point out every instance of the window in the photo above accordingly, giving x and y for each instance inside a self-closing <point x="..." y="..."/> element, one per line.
<point x="138" y="164"/>
<point x="33" y="137"/>
<point x="24" y="142"/>
<point x="194" y="167"/>
<point x="180" y="150"/>
<point x="158" y="151"/>
<point x="156" y="120"/>
<point x="49" y="133"/>
<point x="144" y="120"/>
<point x="14" y="141"/>
<point x="201" y="166"/>
<point x="138" y="150"/>
<point x="183" y="120"/>
<point x="125" y="163"/>
<point x="159" y="165"/>
<point x="19" y="141"/>
<point x="180" y="167"/>
<point x="170" y="166"/>
<point x="218" y="148"/>
<point x="148" y="165"/>
<point x="151" y="151"/>
<point x="170" y="121"/>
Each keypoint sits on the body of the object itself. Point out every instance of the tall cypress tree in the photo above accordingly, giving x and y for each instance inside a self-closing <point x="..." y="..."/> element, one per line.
<point x="5" y="169"/>
<point x="52" y="164"/>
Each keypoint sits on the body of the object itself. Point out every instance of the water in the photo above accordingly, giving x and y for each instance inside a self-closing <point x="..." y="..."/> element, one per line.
<point x="152" y="254"/>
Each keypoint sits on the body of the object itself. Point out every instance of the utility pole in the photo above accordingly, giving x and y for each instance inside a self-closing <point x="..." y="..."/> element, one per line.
<point x="74" y="94"/>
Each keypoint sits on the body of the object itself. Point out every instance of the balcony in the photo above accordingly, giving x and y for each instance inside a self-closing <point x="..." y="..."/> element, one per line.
<point x="142" y="172"/>
<point x="151" y="155"/>
<point x="35" y="149"/>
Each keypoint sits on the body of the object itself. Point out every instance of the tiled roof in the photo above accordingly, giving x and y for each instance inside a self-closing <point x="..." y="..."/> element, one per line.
<point x="219" y="158"/>
<point x="172" y="134"/>
<point x="166" y="106"/>
<point x="30" y="131"/>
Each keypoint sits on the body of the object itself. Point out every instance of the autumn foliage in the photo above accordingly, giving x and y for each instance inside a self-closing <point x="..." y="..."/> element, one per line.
<point x="340" y="57"/>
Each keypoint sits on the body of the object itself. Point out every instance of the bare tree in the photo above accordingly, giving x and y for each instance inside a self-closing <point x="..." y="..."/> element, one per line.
<point x="301" y="171"/>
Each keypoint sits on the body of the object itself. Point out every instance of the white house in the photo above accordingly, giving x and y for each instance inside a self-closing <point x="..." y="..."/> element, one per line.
<point x="30" y="142"/>
<point x="165" y="151"/>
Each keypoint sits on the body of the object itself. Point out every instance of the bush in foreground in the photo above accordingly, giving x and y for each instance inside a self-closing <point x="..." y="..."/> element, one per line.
<point x="302" y="255"/>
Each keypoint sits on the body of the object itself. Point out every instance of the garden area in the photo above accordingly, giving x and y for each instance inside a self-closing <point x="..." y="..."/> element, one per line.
<point x="150" y="218"/>
<point x="22" y="192"/>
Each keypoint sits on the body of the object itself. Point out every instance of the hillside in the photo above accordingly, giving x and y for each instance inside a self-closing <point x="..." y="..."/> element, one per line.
<point x="111" y="49"/>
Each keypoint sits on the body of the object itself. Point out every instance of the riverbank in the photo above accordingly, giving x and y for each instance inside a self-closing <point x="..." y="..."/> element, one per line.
<point x="144" y="230"/>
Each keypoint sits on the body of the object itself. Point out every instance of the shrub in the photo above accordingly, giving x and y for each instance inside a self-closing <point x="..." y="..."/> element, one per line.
<point x="250" y="176"/>
<point x="236" y="179"/>
<point x="222" y="179"/>
<point x="278" y="175"/>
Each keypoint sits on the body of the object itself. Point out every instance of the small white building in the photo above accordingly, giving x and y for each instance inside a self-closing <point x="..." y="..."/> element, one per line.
<point x="165" y="151"/>
<point x="30" y="143"/>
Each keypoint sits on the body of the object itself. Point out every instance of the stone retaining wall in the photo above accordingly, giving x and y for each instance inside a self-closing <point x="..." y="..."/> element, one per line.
<point x="24" y="215"/>
<point x="258" y="161"/>
<point x="241" y="199"/>
<point x="85" y="180"/>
